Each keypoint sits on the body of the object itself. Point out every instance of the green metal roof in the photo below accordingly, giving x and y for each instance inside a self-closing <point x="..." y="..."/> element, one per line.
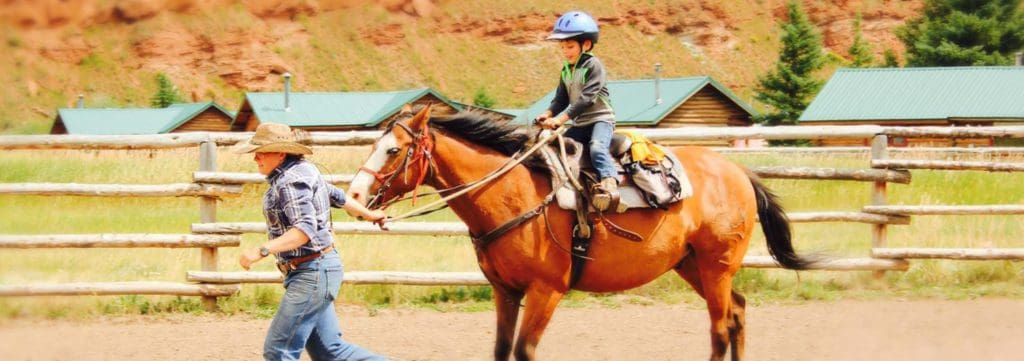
<point x="319" y="109"/>
<point x="920" y="93"/>
<point x="121" y="121"/>
<point x="634" y="100"/>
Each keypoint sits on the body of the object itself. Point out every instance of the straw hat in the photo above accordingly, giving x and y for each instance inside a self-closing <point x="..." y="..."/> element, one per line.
<point x="275" y="138"/>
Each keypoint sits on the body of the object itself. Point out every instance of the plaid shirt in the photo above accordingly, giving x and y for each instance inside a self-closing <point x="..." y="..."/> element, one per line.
<point x="299" y="197"/>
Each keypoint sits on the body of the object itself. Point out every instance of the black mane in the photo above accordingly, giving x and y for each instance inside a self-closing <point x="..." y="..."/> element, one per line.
<point x="481" y="129"/>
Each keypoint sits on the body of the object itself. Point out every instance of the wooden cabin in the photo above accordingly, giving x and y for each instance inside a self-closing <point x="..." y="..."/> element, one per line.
<point x="333" y="111"/>
<point x="183" y="117"/>
<point x="946" y="96"/>
<point x="667" y="103"/>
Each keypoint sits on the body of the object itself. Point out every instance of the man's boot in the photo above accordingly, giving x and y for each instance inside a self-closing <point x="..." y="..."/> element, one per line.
<point x="607" y="191"/>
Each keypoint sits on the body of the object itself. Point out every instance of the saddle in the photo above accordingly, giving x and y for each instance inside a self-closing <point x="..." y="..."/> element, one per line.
<point x="640" y="185"/>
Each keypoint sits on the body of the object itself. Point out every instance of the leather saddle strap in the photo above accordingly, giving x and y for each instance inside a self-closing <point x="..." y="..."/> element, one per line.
<point x="486" y="239"/>
<point x="619" y="231"/>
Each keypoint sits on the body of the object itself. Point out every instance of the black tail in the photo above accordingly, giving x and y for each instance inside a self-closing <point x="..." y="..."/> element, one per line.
<point x="776" y="228"/>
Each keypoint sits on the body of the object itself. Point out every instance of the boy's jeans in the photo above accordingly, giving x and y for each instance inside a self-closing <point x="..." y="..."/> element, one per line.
<point x="306" y="319"/>
<point x="597" y="137"/>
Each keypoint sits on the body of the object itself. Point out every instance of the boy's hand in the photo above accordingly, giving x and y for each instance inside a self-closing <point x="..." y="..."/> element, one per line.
<point x="552" y="123"/>
<point x="542" y="117"/>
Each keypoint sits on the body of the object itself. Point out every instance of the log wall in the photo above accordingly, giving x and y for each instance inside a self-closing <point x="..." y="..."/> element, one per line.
<point x="210" y="120"/>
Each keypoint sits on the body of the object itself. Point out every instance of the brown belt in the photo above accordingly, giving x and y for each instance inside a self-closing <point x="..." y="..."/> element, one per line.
<point x="294" y="263"/>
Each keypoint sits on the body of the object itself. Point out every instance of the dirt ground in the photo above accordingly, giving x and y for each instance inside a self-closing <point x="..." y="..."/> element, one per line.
<point x="985" y="329"/>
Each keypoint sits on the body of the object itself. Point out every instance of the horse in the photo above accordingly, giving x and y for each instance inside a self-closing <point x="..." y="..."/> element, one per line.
<point x="702" y="238"/>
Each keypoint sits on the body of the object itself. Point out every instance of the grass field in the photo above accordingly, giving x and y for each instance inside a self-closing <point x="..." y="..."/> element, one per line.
<point x="50" y="215"/>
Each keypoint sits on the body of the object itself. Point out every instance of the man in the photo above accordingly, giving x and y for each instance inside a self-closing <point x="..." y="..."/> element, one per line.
<point x="297" y="208"/>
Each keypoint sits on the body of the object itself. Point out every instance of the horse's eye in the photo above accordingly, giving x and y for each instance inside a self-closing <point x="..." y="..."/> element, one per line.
<point x="393" y="151"/>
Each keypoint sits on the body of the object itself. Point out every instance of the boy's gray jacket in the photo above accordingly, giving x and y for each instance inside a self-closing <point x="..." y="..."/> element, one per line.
<point x="583" y="93"/>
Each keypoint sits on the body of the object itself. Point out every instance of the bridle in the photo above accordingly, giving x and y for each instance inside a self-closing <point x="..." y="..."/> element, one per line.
<point x="418" y="153"/>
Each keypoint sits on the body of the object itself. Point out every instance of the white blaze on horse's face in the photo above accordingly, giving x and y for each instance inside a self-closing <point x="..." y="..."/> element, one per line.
<point x="360" y="187"/>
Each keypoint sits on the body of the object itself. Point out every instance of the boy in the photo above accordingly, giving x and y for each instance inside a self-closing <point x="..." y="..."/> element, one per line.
<point x="582" y="96"/>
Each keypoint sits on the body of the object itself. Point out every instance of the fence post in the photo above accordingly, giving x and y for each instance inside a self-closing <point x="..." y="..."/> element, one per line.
<point x="208" y="214"/>
<point x="879" y="151"/>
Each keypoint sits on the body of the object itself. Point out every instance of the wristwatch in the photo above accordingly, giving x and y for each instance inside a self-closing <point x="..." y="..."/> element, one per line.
<point x="264" y="251"/>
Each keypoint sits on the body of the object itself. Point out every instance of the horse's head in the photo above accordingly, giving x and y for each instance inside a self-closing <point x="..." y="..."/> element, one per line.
<point x="398" y="163"/>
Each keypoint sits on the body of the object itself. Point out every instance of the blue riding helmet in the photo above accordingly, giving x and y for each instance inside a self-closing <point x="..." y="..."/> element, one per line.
<point x="575" y="24"/>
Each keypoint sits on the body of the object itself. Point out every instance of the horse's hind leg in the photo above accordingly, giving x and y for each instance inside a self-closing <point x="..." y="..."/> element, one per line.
<point x="735" y="319"/>
<point x="737" y="335"/>
<point x="507" y="308"/>
<point x="541" y="301"/>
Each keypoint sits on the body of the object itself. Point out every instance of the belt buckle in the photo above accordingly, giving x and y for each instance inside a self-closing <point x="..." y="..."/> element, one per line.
<point x="284" y="267"/>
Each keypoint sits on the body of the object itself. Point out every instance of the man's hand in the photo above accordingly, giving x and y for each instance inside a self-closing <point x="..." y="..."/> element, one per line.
<point x="248" y="257"/>
<point x="357" y="210"/>
<point x="375" y="215"/>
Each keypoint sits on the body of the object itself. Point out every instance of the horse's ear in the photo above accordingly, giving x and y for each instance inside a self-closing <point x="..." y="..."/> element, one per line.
<point x="406" y="109"/>
<point x="420" y="120"/>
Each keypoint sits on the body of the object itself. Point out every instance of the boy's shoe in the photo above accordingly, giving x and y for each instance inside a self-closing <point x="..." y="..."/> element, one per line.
<point x="604" y="193"/>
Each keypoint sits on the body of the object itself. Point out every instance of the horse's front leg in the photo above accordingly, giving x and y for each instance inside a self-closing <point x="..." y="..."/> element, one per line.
<point x="506" y="304"/>
<point x="541" y="301"/>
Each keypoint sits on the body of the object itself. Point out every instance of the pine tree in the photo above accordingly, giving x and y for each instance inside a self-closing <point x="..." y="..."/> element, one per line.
<point x="961" y="33"/>
<point x="166" y="93"/>
<point x="482" y="99"/>
<point x="860" y="51"/>
<point x="889" y="59"/>
<point x="788" y="87"/>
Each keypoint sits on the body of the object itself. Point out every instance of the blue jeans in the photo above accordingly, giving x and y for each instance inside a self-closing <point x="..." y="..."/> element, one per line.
<point x="306" y="319"/>
<point x="597" y="138"/>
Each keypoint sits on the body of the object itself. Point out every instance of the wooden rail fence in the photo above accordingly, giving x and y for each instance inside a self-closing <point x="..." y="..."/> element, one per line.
<point x="209" y="186"/>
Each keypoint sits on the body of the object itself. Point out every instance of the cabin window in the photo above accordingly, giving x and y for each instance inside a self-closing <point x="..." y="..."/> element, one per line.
<point x="898" y="141"/>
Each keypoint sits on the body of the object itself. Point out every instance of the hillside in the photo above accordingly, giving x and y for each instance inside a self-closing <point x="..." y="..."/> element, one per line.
<point x="110" y="50"/>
